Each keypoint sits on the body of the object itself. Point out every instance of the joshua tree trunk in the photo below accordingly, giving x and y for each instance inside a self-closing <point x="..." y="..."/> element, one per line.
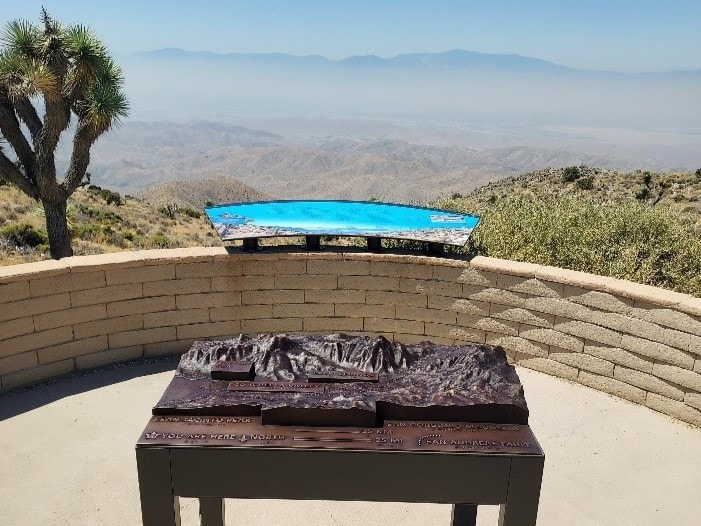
<point x="57" y="229"/>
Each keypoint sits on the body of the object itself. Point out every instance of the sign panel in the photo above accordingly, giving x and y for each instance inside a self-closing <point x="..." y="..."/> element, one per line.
<point x="340" y="218"/>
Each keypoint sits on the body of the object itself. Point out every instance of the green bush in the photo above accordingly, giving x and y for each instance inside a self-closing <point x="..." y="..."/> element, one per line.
<point x="169" y="210"/>
<point x="627" y="240"/>
<point x="191" y="212"/>
<point x="23" y="235"/>
<point x="161" y="241"/>
<point x="571" y="174"/>
<point x="585" y="183"/>
<point x="642" y="193"/>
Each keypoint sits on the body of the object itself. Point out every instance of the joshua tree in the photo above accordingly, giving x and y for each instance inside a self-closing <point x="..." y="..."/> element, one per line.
<point x="65" y="72"/>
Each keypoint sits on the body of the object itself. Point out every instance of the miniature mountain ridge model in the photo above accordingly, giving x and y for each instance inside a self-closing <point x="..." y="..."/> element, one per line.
<point x="341" y="380"/>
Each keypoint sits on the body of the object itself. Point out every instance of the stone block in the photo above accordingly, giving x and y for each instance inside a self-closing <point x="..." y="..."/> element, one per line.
<point x="551" y="367"/>
<point x="18" y="290"/>
<point x="697" y="366"/>
<point x="140" y="337"/>
<point x="572" y="278"/>
<point x="265" y="297"/>
<point x="504" y="266"/>
<point x="590" y="332"/>
<point x="401" y="270"/>
<point x="72" y="316"/>
<point x="478" y="308"/>
<point x="693" y="399"/>
<point x="175" y="317"/>
<point x="467" y="276"/>
<point x="454" y="333"/>
<point x="172" y="348"/>
<point x="339" y="267"/>
<point x="368" y="283"/>
<point x="554" y="338"/>
<point x="272" y="325"/>
<point x="17" y="327"/>
<point x="335" y="296"/>
<point x="531" y="286"/>
<point x="670" y="318"/>
<point x="648" y="382"/>
<point x="619" y="357"/>
<point x="303" y="310"/>
<point x="106" y="294"/>
<point x="488" y="325"/>
<point x="431" y="287"/>
<point x="516" y="345"/>
<point x="36" y="374"/>
<point x="558" y="307"/>
<point x="177" y="286"/>
<point x="242" y="312"/>
<point x="212" y="299"/>
<point x="585" y="362"/>
<point x="383" y="325"/>
<point x="208" y="269"/>
<point x="522" y="316"/>
<point x="206" y="330"/>
<point x="673" y="408"/>
<point x="375" y="297"/>
<point x="17" y="362"/>
<point x="683" y="377"/>
<point x="123" y="276"/>
<point x="30" y="307"/>
<point x="307" y="281"/>
<point x="657" y="351"/>
<point x="108" y="326"/>
<point x="350" y="310"/>
<point x="66" y="283"/>
<point x="140" y="306"/>
<point x="405" y="312"/>
<point x="690" y="306"/>
<point x="603" y="301"/>
<point x="72" y="349"/>
<point x="332" y="324"/>
<point x="238" y="283"/>
<point x="612" y="386"/>
<point x="35" y="340"/>
<point x="694" y="345"/>
<point x="99" y="359"/>
<point x="499" y="297"/>
<point x="644" y="293"/>
<point x="274" y="267"/>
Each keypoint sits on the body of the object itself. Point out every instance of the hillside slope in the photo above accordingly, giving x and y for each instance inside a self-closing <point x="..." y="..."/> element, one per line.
<point x="196" y="194"/>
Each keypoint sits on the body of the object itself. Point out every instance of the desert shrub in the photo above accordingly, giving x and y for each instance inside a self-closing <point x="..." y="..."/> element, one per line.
<point x="110" y="197"/>
<point x="22" y="235"/>
<point x="642" y="193"/>
<point x="456" y="195"/>
<point x="208" y="203"/>
<point x="571" y="174"/>
<point x="191" y="212"/>
<point x="585" y="183"/>
<point x="627" y="240"/>
<point x="169" y="210"/>
<point x="161" y="241"/>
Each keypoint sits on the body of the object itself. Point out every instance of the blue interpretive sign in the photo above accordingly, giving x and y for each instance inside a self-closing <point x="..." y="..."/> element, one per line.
<point x="340" y="218"/>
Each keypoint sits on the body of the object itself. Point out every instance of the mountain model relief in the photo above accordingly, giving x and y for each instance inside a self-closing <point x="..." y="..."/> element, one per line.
<point x="341" y="380"/>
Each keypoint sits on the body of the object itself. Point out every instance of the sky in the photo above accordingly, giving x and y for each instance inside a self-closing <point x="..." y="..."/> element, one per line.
<point x="621" y="35"/>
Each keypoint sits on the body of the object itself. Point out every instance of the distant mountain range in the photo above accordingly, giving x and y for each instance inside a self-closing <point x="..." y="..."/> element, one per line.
<point x="454" y="59"/>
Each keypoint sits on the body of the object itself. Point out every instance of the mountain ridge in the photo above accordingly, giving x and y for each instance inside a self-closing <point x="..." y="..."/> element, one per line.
<point x="453" y="58"/>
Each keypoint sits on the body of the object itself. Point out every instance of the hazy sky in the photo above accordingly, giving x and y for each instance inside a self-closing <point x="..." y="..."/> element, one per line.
<point x="625" y="35"/>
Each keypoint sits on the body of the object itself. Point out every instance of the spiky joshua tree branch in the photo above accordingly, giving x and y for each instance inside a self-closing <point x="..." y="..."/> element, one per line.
<point x="66" y="73"/>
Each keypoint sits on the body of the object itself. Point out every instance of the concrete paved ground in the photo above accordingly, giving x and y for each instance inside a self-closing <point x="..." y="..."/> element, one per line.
<point x="68" y="459"/>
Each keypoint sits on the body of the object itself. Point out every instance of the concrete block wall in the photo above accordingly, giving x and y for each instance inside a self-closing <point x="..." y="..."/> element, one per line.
<point x="633" y="341"/>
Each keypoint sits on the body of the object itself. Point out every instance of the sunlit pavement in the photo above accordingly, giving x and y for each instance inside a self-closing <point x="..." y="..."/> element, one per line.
<point x="68" y="459"/>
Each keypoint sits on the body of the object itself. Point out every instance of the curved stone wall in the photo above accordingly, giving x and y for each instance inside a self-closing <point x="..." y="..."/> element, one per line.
<point x="633" y="341"/>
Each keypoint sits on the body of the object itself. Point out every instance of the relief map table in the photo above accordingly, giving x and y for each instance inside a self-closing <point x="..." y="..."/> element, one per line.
<point x="228" y="438"/>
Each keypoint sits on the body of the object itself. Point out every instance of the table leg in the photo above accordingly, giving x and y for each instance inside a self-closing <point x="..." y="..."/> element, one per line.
<point x="521" y="507"/>
<point x="464" y="515"/>
<point x="211" y="511"/>
<point x="159" y="507"/>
